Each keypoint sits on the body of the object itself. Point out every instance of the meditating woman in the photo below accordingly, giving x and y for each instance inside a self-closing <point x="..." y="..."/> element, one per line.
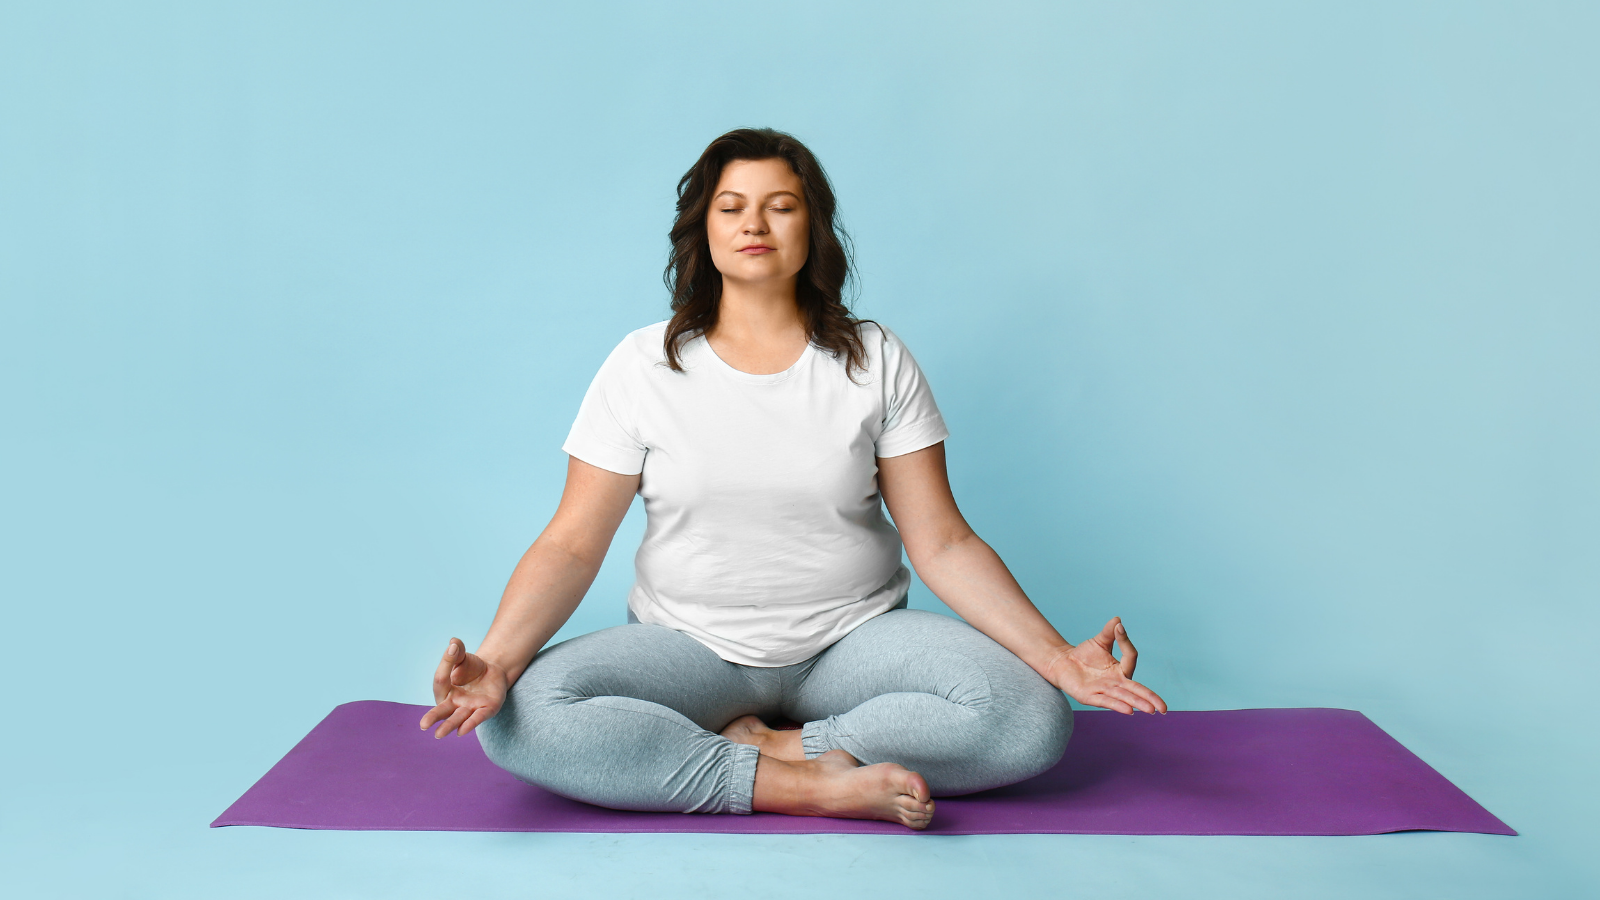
<point x="766" y="429"/>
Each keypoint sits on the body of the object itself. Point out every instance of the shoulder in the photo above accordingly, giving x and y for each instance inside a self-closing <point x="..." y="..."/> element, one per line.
<point x="876" y="336"/>
<point x="638" y="351"/>
<point x="645" y="342"/>
<point x="634" y="361"/>
<point x="884" y="350"/>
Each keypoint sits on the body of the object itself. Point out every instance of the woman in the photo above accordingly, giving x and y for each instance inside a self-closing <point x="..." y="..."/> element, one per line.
<point x="762" y="424"/>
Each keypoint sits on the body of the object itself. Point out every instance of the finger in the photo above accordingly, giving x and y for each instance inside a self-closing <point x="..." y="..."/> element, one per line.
<point x="1132" y="699"/>
<point x="452" y="723"/>
<point x="473" y="721"/>
<point x="438" y="712"/>
<point x="1130" y="656"/>
<point x="441" y="675"/>
<point x="469" y="669"/>
<point x="1152" y="696"/>
<point x="1106" y="701"/>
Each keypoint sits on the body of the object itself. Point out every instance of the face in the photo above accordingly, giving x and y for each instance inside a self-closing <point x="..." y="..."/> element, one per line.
<point x="757" y="224"/>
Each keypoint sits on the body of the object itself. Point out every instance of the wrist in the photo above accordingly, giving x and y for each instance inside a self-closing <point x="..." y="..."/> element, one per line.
<point x="495" y="663"/>
<point x="1055" y="664"/>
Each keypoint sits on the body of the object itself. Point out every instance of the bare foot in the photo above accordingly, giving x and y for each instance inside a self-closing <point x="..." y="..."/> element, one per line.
<point x="771" y="742"/>
<point x="835" y="785"/>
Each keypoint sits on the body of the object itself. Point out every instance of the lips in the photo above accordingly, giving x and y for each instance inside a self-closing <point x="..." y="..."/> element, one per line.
<point x="756" y="249"/>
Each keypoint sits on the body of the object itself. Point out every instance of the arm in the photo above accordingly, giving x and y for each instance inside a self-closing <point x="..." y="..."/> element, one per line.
<point x="546" y="586"/>
<point x="970" y="578"/>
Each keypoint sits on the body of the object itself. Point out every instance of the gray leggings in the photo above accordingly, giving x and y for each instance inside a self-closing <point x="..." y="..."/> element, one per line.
<point x="628" y="717"/>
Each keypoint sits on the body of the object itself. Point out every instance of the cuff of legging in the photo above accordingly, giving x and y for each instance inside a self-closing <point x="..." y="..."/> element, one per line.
<point x="814" y="739"/>
<point x="741" y="785"/>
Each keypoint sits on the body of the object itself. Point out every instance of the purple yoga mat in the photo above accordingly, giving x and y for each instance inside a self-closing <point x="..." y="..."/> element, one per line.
<point x="1247" y="771"/>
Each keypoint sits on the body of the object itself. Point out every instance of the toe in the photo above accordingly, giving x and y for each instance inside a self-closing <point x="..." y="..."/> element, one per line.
<point x="916" y="787"/>
<point x="917" y="818"/>
<point x="913" y="811"/>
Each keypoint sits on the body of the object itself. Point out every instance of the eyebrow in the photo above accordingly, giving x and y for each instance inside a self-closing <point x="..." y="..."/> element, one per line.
<point x="721" y="194"/>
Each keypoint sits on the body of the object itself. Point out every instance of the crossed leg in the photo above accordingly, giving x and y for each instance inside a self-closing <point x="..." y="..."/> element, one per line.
<point x="626" y="718"/>
<point x="928" y="692"/>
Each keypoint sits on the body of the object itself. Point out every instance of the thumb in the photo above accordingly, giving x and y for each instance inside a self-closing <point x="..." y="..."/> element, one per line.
<point x="1107" y="637"/>
<point x="1130" y="656"/>
<point x="441" y="674"/>
<point x="469" y="668"/>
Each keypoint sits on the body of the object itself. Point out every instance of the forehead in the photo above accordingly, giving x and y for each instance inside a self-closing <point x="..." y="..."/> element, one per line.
<point x="758" y="177"/>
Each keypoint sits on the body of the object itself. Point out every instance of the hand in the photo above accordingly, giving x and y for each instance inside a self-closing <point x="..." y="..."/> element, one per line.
<point x="1092" y="676"/>
<point x="467" y="691"/>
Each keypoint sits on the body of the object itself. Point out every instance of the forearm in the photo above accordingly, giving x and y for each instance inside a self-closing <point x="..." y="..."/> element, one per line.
<point x="972" y="580"/>
<point x="546" y="586"/>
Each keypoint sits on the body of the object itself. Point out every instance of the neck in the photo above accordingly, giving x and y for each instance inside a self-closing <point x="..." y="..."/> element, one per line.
<point x="762" y="313"/>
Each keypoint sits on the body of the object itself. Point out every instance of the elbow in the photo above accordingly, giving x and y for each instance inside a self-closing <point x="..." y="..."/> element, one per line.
<point x="583" y="555"/>
<point x="925" y="551"/>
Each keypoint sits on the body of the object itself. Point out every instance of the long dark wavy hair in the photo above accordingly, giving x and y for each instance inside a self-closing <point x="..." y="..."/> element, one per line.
<point x="696" y="284"/>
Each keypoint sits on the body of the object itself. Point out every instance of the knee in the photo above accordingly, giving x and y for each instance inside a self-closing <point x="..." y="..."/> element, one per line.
<point x="1013" y="741"/>
<point x="496" y="737"/>
<point x="1026" y="734"/>
<point x="1030" y="736"/>
<point x="502" y="740"/>
<point x="517" y="737"/>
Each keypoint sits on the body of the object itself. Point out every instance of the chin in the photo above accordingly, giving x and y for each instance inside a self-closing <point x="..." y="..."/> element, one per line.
<point x="752" y="268"/>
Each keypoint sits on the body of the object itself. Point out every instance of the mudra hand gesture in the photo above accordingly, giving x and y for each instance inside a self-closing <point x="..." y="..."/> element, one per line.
<point x="1091" y="675"/>
<point x="467" y="691"/>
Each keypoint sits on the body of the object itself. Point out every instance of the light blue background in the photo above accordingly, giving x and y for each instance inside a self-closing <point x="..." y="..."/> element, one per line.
<point x="1270" y="327"/>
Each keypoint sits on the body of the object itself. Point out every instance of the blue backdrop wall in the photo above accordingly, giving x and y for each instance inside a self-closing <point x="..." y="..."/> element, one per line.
<point x="1271" y="328"/>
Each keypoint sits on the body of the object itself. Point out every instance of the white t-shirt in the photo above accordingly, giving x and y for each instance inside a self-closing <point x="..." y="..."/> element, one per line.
<point x="766" y="539"/>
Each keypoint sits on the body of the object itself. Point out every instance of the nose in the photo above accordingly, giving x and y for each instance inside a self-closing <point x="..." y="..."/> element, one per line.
<point x="755" y="223"/>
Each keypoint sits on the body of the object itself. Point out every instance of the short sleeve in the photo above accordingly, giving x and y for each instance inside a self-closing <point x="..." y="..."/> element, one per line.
<point x="606" y="433"/>
<point x="911" y="419"/>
